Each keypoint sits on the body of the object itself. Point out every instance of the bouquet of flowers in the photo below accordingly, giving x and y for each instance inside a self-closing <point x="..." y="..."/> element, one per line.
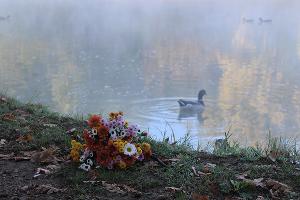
<point x="110" y="143"/>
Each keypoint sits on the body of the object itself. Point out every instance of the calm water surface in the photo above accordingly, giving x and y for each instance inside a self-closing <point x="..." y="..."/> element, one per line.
<point x="141" y="56"/>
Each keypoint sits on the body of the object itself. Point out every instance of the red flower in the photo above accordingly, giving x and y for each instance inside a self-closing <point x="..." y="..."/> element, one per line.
<point x="87" y="137"/>
<point x="94" y="121"/>
<point x="129" y="160"/>
<point x="103" y="134"/>
<point x="103" y="157"/>
<point x="102" y="130"/>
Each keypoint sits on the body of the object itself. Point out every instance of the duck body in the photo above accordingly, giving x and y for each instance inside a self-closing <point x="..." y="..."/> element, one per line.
<point x="261" y="20"/>
<point x="245" y="20"/>
<point x="4" y="18"/>
<point x="188" y="104"/>
<point x="193" y="105"/>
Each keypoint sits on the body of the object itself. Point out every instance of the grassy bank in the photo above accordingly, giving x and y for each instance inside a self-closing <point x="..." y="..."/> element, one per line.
<point x="176" y="172"/>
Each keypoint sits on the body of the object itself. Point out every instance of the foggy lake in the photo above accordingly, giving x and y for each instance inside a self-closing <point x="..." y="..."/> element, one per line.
<point x="140" y="57"/>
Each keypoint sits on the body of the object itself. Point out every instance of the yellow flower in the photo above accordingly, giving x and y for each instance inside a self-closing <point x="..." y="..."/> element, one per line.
<point x="74" y="155"/>
<point x="77" y="146"/>
<point x="139" y="150"/>
<point x="121" y="150"/>
<point x="73" y="142"/>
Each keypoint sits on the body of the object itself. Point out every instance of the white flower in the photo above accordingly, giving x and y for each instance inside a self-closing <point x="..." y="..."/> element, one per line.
<point x="130" y="149"/>
<point x="113" y="133"/>
<point x="121" y="133"/>
<point x="89" y="162"/>
<point x="82" y="158"/>
<point x="85" y="167"/>
<point x="94" y="132"/>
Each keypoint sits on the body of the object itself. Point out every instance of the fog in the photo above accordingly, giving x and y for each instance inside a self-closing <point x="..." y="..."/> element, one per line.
<point x="141" y="56"/>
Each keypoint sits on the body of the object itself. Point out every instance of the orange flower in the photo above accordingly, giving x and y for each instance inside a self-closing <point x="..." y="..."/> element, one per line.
<point x="94" y="121"/>
<point x="146" y="147"/>
<point x="146" y="150"/>
<point x="114" y="115"/>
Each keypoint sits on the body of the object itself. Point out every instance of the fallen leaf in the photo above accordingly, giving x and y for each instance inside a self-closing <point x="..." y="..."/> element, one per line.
<point x="131" y="190"/>
<point x="21" y="158"/>
<point x="72" y="130"/>
<point x="47" y="189"/>
<point x="199" y="173"/>
<point x="116" y="188"/>
<point x="113" y="188"/>
<point x="28" y="153"/>
<point x="9" y="117"/>
<point x="277" y="189"/>
<point x="196" y="196"/>
<point x="273" y="155"/>
<point x="255" y="182"/>
<point x="41" y="171"/>
<point x="2" y="142"/>
<point x="45" y="156"/>
<point x="25" y="188"/>
<point x="3" y="99"/>
<point x="92" y="182"/>
<point x="49" y="169"/>
<point x="258" y="182"/>
<point x="53" y="167"/>
<point x="151" y="164"/>
<point x="194" y="171"/>
<point x="242" y="176"/>
<point x="93" y="174"/>
<point x="12" y="157"/>
<point x="173" y="189"/>
<point x="24" y="138"/>
<point x="208" y="167"/>
<point x="6" y="156"/>
<point x="171" y="160"/>
<point x="50" y="125"/>
<point x="260" y="198"/>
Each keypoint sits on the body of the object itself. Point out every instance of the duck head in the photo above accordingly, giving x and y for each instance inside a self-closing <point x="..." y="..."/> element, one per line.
<point x="201" y="94"/>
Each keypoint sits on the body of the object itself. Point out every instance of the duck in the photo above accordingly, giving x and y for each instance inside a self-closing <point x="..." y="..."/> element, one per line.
<point x="193" y="105"/>
<point x="261" y="20"/>
<point x="245" y="20"/>
<point x="4" y="18"/>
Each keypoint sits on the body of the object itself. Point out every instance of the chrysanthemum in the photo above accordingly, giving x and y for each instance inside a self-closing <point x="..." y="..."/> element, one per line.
<point x="74" y="155"/>
<point x="129" y="149"/>
<point x="139" y="150"/>
<point x="73" y="142"/>
<point x="94" y="121"/>
<point x="85" y="167"/>
<point x="146" y="147"/>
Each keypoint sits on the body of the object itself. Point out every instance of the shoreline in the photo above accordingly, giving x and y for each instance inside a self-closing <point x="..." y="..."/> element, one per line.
<point x="231" y="171"/>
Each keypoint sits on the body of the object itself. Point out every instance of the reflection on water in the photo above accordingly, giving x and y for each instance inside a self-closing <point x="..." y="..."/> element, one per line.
<point x="141" y="57"/>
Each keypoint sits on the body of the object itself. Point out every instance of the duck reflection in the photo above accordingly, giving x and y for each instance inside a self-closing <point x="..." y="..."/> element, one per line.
<point x="191" y="113"/>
